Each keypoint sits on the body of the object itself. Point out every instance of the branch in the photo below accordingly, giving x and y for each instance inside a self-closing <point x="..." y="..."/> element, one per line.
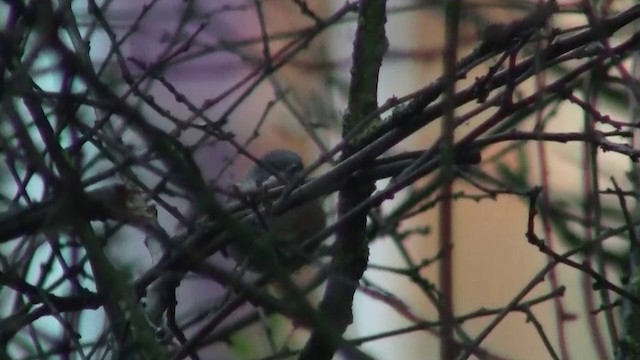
<point x="351" y="256"/>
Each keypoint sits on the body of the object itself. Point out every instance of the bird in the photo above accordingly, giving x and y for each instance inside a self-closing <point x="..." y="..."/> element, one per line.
<point x="277" y="236"/>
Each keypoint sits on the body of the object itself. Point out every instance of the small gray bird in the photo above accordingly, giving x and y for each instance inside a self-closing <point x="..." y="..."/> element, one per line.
<point x="284" y="233"/>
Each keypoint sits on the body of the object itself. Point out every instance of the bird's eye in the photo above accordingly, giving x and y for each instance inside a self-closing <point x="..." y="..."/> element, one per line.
<point x="296" y="168"/>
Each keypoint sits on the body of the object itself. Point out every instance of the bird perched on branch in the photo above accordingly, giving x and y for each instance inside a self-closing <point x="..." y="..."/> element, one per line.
<point x="277" y="239"/>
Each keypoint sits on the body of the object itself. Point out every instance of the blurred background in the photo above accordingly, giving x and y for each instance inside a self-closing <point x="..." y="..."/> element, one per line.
<point x="300" y="107"/>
